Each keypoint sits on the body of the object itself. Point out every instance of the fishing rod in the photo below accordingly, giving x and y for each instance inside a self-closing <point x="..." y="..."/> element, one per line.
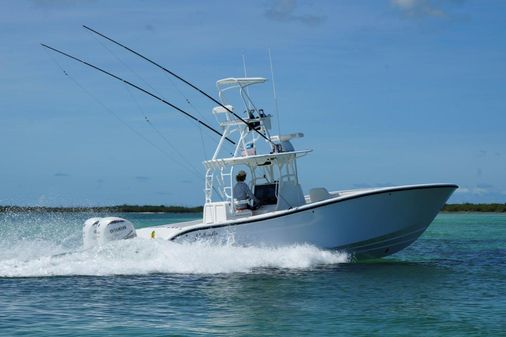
<point x="140" y="89"/>
<point x="183" y="80"/>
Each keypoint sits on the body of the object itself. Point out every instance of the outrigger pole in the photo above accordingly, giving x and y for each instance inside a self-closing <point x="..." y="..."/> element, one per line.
<point x="183" y="80"/>
<point x="140" y="89"/>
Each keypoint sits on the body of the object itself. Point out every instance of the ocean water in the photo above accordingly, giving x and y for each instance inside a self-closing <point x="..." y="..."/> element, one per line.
<point x="451" y="282"/>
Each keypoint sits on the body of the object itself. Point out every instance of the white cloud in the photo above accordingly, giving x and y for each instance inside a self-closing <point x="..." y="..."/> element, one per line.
<point x="417" y="8"/>
<point x="484" y="193"/>
<point x="472" y="190"/>
<point x="286" y="11"/>
<point x="59" y="3"/>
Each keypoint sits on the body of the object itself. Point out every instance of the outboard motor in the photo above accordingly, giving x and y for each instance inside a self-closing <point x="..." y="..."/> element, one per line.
<point x="90" y="232"/>
<point x="102" y="230"/>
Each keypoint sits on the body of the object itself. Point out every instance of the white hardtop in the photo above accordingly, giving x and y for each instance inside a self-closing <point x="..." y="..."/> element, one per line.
<point x="284" y="138"/>
<point x="253" y="160"/>
<point x="241" y="81"/>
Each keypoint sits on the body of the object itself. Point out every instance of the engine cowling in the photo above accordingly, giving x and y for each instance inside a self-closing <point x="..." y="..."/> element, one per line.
<point x="102" y="230"/>
<point x="90" y="232"/>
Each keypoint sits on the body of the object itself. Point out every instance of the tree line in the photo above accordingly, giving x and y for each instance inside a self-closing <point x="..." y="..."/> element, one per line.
<point x="466" y="207"/>
<point x="106" y="209"/>
<point x="470" y="207"/>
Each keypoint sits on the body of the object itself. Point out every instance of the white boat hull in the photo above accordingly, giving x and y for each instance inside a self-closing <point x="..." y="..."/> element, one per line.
<point x="367" y="224"/>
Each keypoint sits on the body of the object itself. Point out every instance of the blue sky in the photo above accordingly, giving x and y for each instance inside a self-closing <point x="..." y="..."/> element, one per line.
<point x="386" y="92"/>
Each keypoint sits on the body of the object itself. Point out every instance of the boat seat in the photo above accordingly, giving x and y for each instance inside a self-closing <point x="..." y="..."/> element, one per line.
<point x="240" y="208"/>
<point x="241" y="203"/>
<point x="243" y="212"/>
<point x="318" y="194"/>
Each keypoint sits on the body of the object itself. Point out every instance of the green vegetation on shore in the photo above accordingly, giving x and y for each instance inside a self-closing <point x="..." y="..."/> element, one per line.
<point x="106" y="209"/>
<point x="467" y="207"/>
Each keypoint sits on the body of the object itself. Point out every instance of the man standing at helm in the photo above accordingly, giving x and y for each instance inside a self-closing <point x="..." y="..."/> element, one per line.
<point x="243" y="193"/>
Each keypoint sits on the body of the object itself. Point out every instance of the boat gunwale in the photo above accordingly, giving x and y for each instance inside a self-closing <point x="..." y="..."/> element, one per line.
<point x="310" y="206"/>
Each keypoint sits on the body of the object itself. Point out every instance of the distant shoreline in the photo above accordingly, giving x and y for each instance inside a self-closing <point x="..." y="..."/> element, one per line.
<point x="469" y="207"/>
<point x="105" y="209"/>
<point x="448" y="208"/>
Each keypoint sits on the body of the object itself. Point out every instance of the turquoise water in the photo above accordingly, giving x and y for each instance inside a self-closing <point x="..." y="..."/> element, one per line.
<point x="451" y="282"/>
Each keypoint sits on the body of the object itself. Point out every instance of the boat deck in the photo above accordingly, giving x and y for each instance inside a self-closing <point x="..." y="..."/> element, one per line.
<point x="170" y="230"/>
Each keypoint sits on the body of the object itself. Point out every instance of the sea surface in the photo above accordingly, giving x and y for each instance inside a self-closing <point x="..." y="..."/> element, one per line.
<point x="451" y="282"/>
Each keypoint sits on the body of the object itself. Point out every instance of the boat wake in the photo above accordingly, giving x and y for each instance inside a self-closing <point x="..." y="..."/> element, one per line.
<point x="144" y="256"/>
